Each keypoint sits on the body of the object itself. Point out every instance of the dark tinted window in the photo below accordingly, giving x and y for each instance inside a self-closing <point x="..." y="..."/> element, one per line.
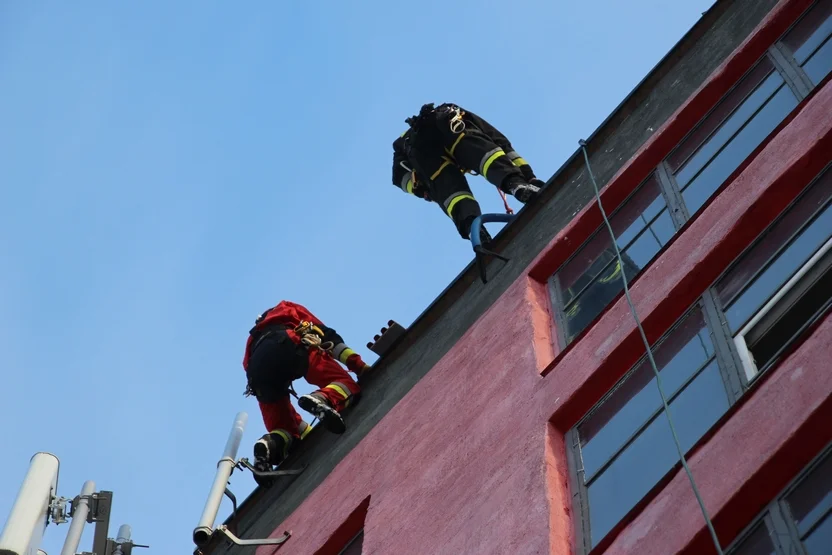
<point x="592" y="278"/>
<point x="626" y="443"/>
<point x="808" y="504"/>
<point x="809" y="41"/>
<point x="731" y="144"/>
<point x="811" y="504"/>
<point x="778" y="254"/>
<point x="757" y="542"/>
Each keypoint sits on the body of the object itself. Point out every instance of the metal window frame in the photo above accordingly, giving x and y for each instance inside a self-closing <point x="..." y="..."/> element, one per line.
<point x="774" y="304"/>
<point x="777" y="516"/>
<point x="794" y="75"/>
<point x="579" y="493"/>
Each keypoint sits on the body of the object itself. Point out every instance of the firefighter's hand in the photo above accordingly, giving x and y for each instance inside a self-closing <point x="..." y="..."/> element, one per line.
<point x="421" y="191"/>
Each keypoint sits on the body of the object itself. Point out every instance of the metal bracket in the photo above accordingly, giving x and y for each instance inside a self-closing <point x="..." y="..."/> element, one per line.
<point x="245" y="463"/>
<point x="57" y="509"/>
<point x="476" y="241"/>
<point x="233" y="498"/>
<point x="223" y="529"/>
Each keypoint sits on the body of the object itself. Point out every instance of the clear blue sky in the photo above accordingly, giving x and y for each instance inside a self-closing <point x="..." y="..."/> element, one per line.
<point x="169" y="170"/>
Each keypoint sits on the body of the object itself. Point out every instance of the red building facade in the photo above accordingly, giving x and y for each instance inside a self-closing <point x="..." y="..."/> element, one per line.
<point x="541" y="429"/>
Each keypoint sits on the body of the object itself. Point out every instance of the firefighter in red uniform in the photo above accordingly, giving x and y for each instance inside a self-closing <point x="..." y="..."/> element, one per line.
<point x="286" y="343"/>
<point x="431" y="158"/>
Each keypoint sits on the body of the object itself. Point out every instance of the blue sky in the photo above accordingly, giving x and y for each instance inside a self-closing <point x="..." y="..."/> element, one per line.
<point x="170" y="170"/>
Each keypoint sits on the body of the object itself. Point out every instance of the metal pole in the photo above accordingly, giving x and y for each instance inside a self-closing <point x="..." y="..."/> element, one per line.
<point x="79" y="519"/>
<point x="24" y="528"/>
<point x="203" y="530"/>
<point x="122" y="538"/>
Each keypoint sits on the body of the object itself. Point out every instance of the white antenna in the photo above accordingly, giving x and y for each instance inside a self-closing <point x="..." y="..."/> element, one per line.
<point x="79" y="519"/>
<point x="226" y="464"/>
<point x="38" y="503"/>
<point x="24" y="529"/>
<point x="204" y="531"/>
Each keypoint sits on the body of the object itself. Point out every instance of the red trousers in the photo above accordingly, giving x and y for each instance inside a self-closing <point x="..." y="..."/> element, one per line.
<point x="333" y="382"/>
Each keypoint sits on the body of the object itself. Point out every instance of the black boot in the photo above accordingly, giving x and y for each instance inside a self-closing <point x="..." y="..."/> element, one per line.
<point x="269" y="450"/>
<point x="525" y="192"/>
<point x="320" y="407"/>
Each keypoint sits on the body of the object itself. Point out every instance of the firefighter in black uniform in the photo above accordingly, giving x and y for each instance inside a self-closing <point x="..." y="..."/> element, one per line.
<point x="431" y="158"/>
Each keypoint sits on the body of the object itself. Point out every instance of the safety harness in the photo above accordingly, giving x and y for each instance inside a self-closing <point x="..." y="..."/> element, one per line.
<point x="457" y="125"/>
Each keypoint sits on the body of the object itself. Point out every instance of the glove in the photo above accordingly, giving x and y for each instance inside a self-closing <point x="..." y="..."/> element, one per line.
<point x="420" y="190"/>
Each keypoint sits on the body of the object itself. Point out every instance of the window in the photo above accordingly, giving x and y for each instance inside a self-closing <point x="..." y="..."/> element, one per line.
<point x="798" y="521"/>
<point x="625" y="444"/>
<point x="355" y="545"/>
<point x="765" y="301"/>
<point x="782" y="281"/>
<point x="703" y="161"/>
<point x="745" y="117"/>
<point x="808" y="43"/>
<point x="591" y="279"/>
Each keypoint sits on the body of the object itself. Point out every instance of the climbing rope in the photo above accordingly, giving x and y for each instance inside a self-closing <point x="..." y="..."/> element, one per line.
<point x="509" y="211"/>
<point x="665" y="405"/>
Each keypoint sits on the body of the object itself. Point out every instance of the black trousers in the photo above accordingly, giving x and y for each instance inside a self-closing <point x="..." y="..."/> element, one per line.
<point x="275" y="362"/>
<point x="441" y="156"/>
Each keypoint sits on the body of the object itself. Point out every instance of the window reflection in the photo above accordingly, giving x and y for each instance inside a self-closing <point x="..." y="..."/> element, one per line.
<point x="626" y="444"/>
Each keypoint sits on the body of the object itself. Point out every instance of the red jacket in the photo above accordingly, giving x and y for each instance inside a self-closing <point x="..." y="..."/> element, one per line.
<point x="291" y="314"/>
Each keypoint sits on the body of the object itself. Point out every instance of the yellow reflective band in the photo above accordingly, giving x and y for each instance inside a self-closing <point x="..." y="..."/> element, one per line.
<point x="305" y="429"/>
<point x="345" y="354"/>
<point x="519" y="162"/>
<point x="573" y="310"/>
<point x="403" y="134"/>
<point x="287" y="440"/>
<point x="613" y="275"/>
<point x="456" y="142"/>
<point x="409" y="186"/>
<point x="437" y="172"/>
<point x="457" y="199"/>
<point x="490" y="161"/>
<point x="343" y="393"/>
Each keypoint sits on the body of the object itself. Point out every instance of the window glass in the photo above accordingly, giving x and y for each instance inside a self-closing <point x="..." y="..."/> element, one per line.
<point x="756" y="543"/>
<point x="717" y="169"/>
<point x="819" y="540"/>
<point x="784" y="266"/>
<point x="810" y="32"/>
<point x="736" y="97"/>
<point x="643" y="463"/>
<point x="812" y="499"/>
<point x="626" y="444"/>
<point x="636" y="399"/>
<point x="628" y="221"/>
<point x="591" y="279"/>
<point x="820" y="64"/>
<point x="775" y="238"/>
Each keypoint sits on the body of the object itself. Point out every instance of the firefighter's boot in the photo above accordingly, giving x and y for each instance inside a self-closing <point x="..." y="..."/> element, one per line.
<point x="319" y="406"/>
<point x="269" y="450"/>
<point x="485" y="238"/>
<point x="524" y="192"/>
